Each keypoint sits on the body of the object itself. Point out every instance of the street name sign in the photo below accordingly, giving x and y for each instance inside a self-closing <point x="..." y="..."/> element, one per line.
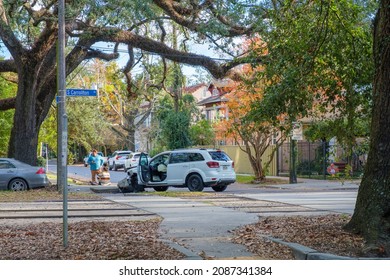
<point x="81" y="92"/>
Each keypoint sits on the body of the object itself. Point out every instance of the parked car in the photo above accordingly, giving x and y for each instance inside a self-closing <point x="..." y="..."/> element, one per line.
<point x="132" y="161"/>
<point x="105" y="159"/>
<point x="191" y="168"/>
<point x="19" y="176"/>
<point x="117" y="159"/>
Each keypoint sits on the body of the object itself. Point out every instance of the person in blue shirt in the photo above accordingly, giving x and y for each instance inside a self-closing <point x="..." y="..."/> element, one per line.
<point x="95" y="162"/>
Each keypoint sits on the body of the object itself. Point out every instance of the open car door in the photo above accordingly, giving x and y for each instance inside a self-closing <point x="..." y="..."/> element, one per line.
<point x="143" y="170"/>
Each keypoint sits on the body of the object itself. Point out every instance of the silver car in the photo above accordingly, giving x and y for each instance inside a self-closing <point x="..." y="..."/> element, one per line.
<point x="117" y="159"/>
<point x="132" y="161"/>
<point x="18" y="176"/>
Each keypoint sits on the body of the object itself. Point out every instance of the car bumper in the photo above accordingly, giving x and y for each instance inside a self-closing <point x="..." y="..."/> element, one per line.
<point x="220" y="182"/>
<point x="39" y="183"/>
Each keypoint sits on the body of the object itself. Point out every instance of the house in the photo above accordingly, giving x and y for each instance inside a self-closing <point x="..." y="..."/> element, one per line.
<point x="199" y="91"/>
<point x="211" y="99"/>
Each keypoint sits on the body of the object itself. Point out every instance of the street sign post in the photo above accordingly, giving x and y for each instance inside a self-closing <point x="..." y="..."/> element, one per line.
<point x="62" y="119"/>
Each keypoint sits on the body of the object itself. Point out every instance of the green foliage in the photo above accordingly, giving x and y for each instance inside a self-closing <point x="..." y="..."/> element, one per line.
<point x="202" y="133"/>
<point x="318" y="53"/>
<point x="307" y="167"/>
<point x="72" y="158"/>
<point x="6" y="121"/>
<point x="41" y="161"/>
<point x="7" y="90"/>
<point x="86" y="123"/>
<point x="48" y="131"/>
<point x="328" y="129"/>
<point x="86" y="126"/>
<point x="175" y="130"/>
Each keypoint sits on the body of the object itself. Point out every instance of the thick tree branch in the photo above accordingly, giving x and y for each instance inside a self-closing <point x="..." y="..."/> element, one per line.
<point x="8" y="103"/>
<point x="8" y="37"/>
<point x="101" y="55"/>
<point x="8" y="66"/>
<point x="179" y="14"/>
<point x="152" y="46"/>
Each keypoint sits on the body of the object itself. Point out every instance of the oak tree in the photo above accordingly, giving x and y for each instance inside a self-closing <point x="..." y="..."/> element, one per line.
<point x="29" y="32"/>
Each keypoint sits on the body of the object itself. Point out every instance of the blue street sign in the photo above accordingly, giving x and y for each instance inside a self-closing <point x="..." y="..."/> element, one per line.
<point x="81" y="92"/>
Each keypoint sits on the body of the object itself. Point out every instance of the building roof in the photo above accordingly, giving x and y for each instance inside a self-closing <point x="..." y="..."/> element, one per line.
<point x="213" y="99"/>
<point x="192" y="89"/>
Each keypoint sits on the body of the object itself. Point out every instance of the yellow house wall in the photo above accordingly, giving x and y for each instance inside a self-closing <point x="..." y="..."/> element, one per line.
<point x="241" y="161"/>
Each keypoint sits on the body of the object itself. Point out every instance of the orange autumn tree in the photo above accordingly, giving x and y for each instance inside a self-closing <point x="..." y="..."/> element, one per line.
<point x="253" y="136"/>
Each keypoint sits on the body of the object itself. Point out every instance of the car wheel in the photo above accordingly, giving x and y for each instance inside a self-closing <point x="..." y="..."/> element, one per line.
<point x="17" y="185"/>
<point x="219" y="188"/>
<point x="195" y="183"/>
<point x="85" y="165"/>
<point x="114" y="167"/>
<point x="109" y="166"/>
<point x="134" y="183"/>
<point x="161" y="189"/>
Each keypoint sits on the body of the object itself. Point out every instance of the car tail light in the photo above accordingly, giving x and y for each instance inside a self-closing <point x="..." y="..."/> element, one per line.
<point x="41" y="171"/>
<point x="117" y="157"/>
<point x="213" y="164"/>
<point x="233" y="164"/>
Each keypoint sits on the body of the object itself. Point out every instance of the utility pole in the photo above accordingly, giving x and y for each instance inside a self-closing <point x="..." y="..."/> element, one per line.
<point x="62" y="120"/>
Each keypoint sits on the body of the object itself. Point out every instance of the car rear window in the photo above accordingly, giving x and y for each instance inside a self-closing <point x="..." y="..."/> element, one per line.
<point x="219" y="155"/>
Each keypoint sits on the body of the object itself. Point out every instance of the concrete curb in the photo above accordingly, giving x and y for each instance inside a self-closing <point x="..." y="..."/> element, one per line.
<point x="301" y="252"/>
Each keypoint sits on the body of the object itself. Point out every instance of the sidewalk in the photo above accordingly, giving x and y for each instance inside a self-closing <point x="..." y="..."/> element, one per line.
<point x="201" y="230"/>
<point x="198" y="229"/>
<point x="313" y="184"/>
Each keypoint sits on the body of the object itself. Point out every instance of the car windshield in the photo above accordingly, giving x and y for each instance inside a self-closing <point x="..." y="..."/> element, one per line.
<point x="219" y="155"/>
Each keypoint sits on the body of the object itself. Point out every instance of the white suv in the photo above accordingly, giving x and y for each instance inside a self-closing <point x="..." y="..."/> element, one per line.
<point x="117" y="159"/>
<point x="191" y="168"/>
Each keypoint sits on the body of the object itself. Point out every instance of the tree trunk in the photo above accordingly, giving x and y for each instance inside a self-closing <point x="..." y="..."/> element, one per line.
<point x="255" y="161"/>
<point x="33" y="102"/>
<point x="131" y="139"/>
<point x="371" y="217"/>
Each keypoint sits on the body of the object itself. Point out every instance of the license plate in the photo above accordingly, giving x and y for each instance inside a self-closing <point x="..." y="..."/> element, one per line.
<point x="224" y="167"/>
